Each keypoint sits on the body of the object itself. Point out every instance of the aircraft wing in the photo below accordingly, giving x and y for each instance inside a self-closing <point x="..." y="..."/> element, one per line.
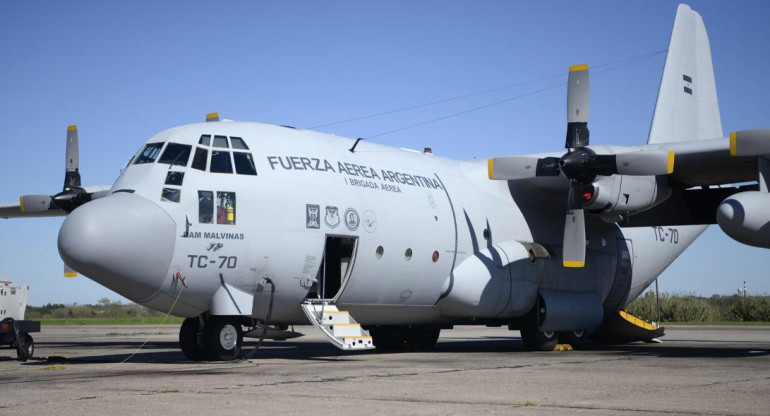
<point x="15" y="210"/>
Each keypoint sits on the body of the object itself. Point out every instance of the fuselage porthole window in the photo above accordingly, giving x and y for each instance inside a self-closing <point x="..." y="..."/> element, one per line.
<point x="176" y="154"/>
<point x="149" y="153"/>
<point x="226" y="208"/>
<point x="244" y="163"/>
<point x="220" y="141"/>
<point x="238" y="143"/>
<point x="220" y="162"/>
<point x="200" y="158"/>
<point x="205" y="207"/>
<point x="205" y="140"/>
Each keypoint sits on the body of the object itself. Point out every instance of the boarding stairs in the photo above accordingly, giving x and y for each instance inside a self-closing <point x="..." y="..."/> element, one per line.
<point x="337" y="326"/>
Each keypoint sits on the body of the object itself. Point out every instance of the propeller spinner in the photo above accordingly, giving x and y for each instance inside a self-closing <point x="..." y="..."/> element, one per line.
<point x="580" y="165"/>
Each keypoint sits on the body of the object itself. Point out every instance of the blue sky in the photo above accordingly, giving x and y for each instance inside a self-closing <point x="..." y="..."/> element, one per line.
<point x="122" y="71"/>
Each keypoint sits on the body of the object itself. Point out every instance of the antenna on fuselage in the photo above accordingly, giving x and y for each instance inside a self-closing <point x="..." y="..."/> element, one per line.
<point x="353" y="149"/>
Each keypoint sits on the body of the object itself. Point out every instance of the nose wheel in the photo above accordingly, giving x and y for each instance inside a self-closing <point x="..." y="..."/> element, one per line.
<point x="220" y="339"/>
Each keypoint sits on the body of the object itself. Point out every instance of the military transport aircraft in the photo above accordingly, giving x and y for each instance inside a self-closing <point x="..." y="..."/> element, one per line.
<point x="244" y="228"/>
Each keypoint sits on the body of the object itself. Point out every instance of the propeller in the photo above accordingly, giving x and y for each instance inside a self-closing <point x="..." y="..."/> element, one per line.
<point x="72" y="194"/>
<point x="750" y="142"/>
<point x="580" y="165"/>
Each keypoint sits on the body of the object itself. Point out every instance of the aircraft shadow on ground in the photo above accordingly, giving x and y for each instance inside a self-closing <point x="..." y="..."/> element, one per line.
<point x="169" y="353"/>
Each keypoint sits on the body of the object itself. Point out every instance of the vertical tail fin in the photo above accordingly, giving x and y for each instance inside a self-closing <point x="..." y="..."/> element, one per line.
<point x="687" y="107"/>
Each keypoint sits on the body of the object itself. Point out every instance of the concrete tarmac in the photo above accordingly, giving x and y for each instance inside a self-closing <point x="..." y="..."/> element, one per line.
<point x="473" y="370"/>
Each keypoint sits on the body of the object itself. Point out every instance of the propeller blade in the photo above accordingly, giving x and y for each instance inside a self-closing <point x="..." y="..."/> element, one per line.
<point x="750" y="142"/>
<point x="69" y="272"/>
<point x="35" y="203"/>
<point x="574" y="249"/>
<point x="72" y="164"/>
<point x="649" y="163"/>
<point x="522" y="167"/>
<point x="577" y="107"/>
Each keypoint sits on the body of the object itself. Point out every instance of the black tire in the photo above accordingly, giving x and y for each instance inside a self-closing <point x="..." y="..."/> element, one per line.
<point x="388" y="338"/>
<point x="421" y="339"/>
<point x="579" y="340"/>
<point x="535" y="340"/>
<point x="188" y="340"/>
<point x="222" y="338"/>
<point x="532" y="337"/>
<point x="27" y="348"/>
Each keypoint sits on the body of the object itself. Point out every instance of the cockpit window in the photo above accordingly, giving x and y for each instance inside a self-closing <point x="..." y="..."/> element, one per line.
<point x="244" y="163"/>
<point x="205" y="140"/>
<point x="174" y="178"/>
<point x="176" y="154"/>
<point x="200" y="158"/>
<point x="220" y="141"/>
<point x="220" y="162"/>
<point x="238" y="143"/>
<point x="170" y="195"/>
<point x="226" y="208"/>
<point x="149" y="153"/>
<point x="205" y="207"/>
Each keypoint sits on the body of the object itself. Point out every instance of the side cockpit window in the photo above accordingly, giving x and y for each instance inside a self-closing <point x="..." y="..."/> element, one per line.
<point x="176" y="154"/>
<point x="149" y="153"/>
<point x="205" y="207"/>
<point x="225" y="207"/>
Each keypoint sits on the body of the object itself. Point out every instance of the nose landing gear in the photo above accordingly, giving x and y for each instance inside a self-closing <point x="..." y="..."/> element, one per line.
<point x="220" y="338"/>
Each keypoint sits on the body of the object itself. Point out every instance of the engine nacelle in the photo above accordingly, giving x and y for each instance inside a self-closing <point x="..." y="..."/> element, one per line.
<point x="745" y="217"/>
<point x="619" y="195"/>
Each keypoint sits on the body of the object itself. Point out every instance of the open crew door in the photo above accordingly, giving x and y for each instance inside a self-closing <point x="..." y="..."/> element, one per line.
<point x="337" y="326"/>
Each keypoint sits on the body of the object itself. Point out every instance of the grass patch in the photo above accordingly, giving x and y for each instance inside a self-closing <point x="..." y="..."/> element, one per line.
<point x="155" y="320"/>
<point x="55" y="367"/>
<point x="529" y="403"/>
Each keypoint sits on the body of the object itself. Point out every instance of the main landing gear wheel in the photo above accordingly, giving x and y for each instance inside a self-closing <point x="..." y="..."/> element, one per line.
<point x="222" y="338"/>
<point x="188" y="340"/>
<point x="579" y="340"/>
<point x="533" y="338"/>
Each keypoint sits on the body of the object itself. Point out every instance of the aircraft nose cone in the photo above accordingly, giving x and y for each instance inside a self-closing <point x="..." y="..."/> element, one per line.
<point x="123" y="241"/>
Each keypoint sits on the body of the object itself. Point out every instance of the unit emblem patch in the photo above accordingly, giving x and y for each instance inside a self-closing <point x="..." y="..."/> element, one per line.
<point x="332" y="217"/>
<point x="352" y="220"/>
<point x="312" y="216"/>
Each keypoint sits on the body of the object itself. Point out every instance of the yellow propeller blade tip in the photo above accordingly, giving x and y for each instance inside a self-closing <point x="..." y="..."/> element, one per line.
<point x="574" y="263"/>
<point x="72" y="127"/>
<point x="579" y="67"/>
<point x="733" y="144"/>
<point x="670" y="168"/>
<point x="490" y="167"/>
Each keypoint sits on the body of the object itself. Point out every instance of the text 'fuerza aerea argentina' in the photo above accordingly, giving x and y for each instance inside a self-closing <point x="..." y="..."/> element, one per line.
<point x="351" y="169"/>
